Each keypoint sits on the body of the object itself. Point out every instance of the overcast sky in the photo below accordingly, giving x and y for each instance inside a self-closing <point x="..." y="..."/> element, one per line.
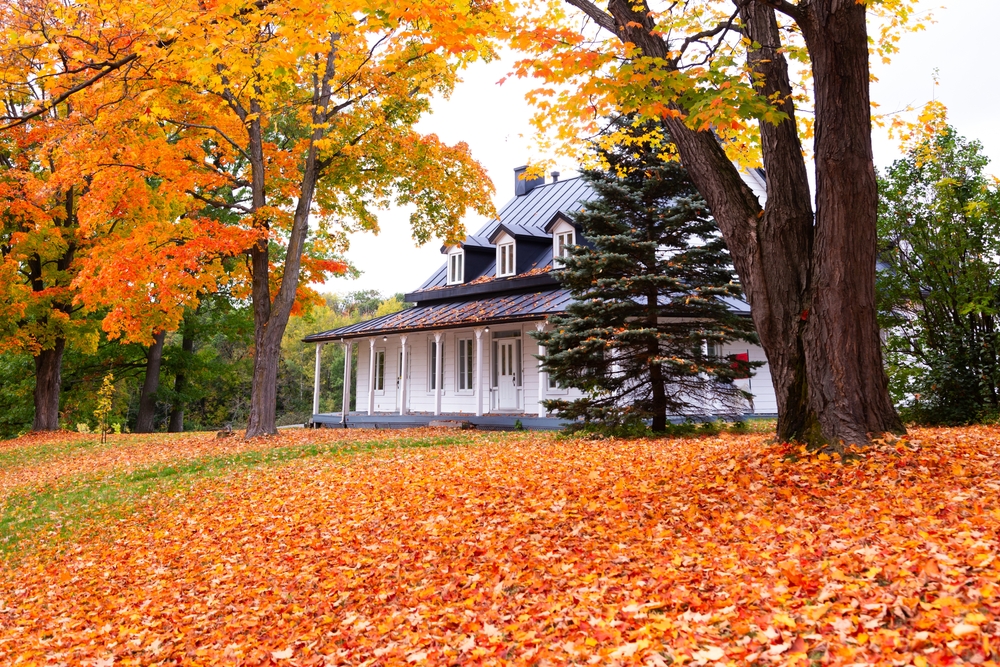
<point x="493" y="120"/>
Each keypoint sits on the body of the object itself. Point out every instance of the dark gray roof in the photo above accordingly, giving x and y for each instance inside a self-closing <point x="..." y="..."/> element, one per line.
<point x="510" y="308"/>
<point x="527" y="215"/>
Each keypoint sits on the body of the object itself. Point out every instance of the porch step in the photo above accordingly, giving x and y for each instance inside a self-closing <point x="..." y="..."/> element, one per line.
<point x="451" y="423"/>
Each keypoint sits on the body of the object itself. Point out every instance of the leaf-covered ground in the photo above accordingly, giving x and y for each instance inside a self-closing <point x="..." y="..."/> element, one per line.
<point x="517" y="549"/>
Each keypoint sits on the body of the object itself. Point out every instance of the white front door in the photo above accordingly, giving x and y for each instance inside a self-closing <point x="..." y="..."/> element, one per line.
<point x="506" y="378"/>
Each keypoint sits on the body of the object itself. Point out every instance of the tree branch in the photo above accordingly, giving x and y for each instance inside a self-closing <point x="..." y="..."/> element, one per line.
<point x="118" y="64"/>
<point x="213" y="128"/>
<point x="599" y="17"/>
<point x="783" y="6"/>
<point x="218" y="203"/>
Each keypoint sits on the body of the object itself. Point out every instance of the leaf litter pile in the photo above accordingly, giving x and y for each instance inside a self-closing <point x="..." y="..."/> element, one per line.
<point x="536" y="550"/>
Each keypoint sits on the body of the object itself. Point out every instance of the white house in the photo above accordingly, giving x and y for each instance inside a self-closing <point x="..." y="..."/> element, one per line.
<point x="466" y="346"/>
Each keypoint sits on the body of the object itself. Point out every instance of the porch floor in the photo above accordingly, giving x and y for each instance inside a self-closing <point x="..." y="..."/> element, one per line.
<point x="494" y="422"/>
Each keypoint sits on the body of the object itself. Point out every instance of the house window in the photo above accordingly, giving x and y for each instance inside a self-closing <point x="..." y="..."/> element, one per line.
<point x="456" y="268"/>
<point x="563" y="241"/>
<point x="379" y="370"/>
<point x="505" y="260"/>
<point x="432" y="375"/>
<point x="465" y="364"/>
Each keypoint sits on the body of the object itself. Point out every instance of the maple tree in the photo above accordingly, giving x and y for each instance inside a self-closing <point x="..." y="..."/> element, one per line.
<point x="729" y="81"/>
<point x="96" y="230"/>
<point x="305" y="110"/>
<point x="508" y="549"/>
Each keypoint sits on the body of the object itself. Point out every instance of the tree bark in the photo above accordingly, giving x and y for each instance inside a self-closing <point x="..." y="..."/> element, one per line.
<point x="809" y="279"/>
<point x="48" y="362"/>
<point x="48" y="383"/>
<point x="659" y="403"/>
<point x="176" y="423"/>
<point x="849" y="389"/>
<point x="150" y="385"/>
<point x="271" y="317"/>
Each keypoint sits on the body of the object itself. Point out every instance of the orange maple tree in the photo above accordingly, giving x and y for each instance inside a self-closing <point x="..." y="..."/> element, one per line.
<point x="94" y="226"/>
<point x="305" y="112"/>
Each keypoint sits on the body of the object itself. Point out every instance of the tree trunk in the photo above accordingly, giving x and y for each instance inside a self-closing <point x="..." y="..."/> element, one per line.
<point x="150" y="385"/>
<point x="809" y="279"/>
<point x="176" y="423"/>
<point x="659" y="404"/>
<point x="48" y="383"/>
<point x="271" y="317"/>
<point x="849" y="389"/>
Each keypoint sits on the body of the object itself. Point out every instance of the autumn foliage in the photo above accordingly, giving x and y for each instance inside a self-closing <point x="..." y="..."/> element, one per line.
<point x="527" y="549"/>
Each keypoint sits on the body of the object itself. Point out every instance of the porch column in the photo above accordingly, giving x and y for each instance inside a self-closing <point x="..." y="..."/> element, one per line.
<point x="543" y="377"/>
<point x="316" y="376"/>
<point x="479" y="371"/>
<point x="438" y="380"/>
<point x="371" y="376"/>
<point x="402" y="378"/>
<point x="347" y="382"/>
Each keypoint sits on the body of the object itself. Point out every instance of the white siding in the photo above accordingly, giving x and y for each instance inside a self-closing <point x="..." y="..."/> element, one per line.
<point x="759" y="384"/>
<point x="421" y="398"/>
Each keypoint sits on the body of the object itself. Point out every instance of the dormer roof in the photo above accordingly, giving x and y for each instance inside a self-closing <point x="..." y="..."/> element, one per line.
<point x="556" y="219"/>
<point x="470" y="243"/>
<point x="523" y="217"/>
<point x="515" y="232"/>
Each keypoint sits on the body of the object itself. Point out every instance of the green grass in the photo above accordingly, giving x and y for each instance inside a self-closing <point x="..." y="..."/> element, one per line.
<point x="58" y="512"/>
<point x="33" y="454"/>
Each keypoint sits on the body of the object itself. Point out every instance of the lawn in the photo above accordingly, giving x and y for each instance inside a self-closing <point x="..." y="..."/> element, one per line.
<point x="436" y="547"/>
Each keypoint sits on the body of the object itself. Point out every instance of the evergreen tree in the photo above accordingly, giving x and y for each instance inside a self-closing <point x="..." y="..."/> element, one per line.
<point x="650" y="279"/>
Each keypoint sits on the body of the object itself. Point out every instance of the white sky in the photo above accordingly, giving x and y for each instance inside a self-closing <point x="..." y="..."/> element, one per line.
<point x="494" y="120"/>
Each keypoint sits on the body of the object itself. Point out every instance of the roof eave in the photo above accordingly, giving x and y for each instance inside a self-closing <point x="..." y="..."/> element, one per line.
<point x="317" y="338"/>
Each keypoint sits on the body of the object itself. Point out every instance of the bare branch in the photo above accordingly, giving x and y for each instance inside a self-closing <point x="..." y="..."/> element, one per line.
<point x="599" y="17"/>
<point x="785" y="7"/>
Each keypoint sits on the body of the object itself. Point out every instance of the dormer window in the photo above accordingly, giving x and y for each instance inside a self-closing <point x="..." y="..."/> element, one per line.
<point x="505" y="259"/>
<point x="456" y="267"/>
<point x="563" y="236"/>
<point x="562" y="241"/>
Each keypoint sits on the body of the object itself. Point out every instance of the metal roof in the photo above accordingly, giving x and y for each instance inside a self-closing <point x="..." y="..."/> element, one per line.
<point x="527" y="215"/>
<point x="511" y="308"/>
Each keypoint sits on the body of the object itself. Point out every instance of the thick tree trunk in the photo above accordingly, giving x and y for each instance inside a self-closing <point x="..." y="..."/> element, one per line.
<point x="809" y="278"/>
<point x="848" y="387"/>
<point x="48" y="383"/>
<point x="150" y="385"/>
<point x="176" y="423"/>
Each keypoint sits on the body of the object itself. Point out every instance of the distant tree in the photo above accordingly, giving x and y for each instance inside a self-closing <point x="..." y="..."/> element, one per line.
<point x="649" y="284"/>
<point x="364" y="302"/>
<point x="939" y="291"/>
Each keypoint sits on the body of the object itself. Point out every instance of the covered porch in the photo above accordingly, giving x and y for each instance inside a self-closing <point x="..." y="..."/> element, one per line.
<point x="460" y="361"/>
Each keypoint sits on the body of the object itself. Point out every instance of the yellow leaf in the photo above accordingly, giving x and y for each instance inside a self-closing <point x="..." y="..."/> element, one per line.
<point x="962" y="629"/>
